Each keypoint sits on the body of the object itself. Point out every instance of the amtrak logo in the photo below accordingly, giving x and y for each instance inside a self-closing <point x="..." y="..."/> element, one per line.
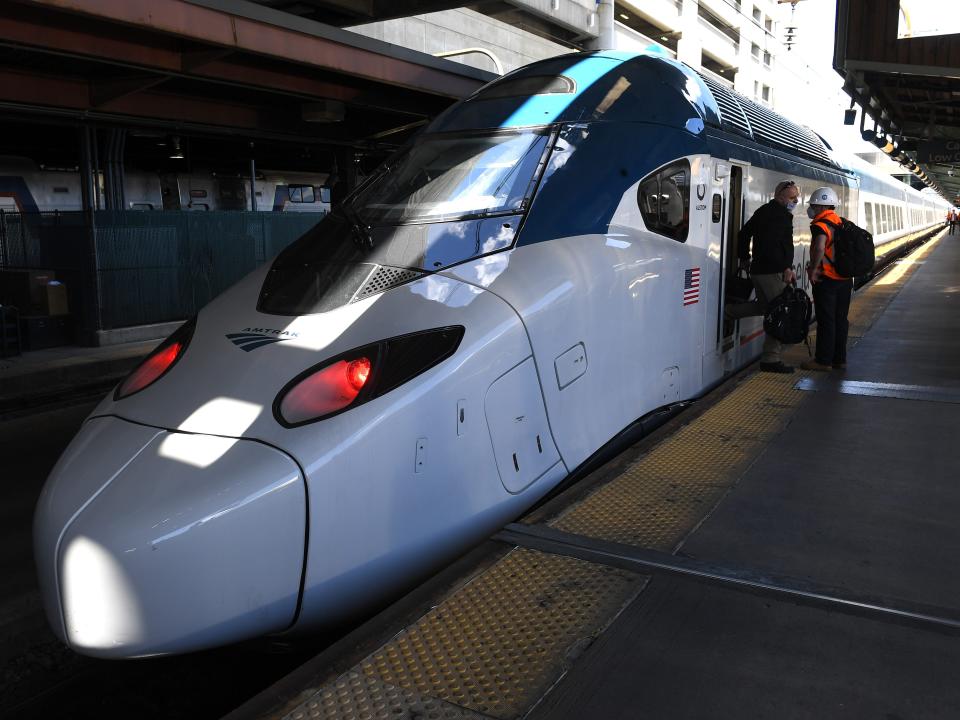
<point x="253" y="338"/>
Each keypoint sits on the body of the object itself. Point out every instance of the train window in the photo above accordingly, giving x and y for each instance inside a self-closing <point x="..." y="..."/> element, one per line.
<point x="530" y="85"/>
<point x="61" y="190"/>
<point x="717" y="207"/>
<point x="868" y="209"/>
<point x="324" y="194"/>
<point x="664" y="200"/>
<point x="300" y="193"/>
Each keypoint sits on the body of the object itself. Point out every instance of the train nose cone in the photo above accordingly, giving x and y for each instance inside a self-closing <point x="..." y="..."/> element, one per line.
<point x="149" y="542"/>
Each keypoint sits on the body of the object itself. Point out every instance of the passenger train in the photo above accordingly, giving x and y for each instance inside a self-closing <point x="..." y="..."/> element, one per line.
<point x="541" y="268"/>
<point x="26" y="187"/>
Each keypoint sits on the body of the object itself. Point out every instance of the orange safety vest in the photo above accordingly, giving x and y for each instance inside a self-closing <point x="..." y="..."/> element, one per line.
<point x="822" y="221"/>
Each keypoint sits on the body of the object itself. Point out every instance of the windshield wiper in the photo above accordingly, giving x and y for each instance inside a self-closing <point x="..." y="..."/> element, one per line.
<point x="360" y="230"/>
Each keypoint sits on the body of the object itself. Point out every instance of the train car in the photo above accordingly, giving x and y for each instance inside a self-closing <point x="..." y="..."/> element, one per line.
<point x="26" y="187"/>
<point x="541" y="268"/>
<point x="891" y="210"/>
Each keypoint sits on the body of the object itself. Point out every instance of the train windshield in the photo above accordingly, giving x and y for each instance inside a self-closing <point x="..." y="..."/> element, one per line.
<point x="446" y="178"/>
<point x="440" y="202"/>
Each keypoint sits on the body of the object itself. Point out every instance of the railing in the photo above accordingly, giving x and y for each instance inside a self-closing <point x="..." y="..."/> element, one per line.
<point x="734" y="45"/>
<point x="638" y="40"/>
<point x="726" y="82"/>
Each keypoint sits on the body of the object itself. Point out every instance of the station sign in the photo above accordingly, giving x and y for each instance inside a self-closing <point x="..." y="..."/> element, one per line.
<point x="946" y="152"/>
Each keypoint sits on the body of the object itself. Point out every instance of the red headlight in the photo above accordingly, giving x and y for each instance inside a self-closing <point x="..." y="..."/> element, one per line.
<point x="362" y="374"/>
<point x="158" y="362"/>
<point x="325" y="392"/>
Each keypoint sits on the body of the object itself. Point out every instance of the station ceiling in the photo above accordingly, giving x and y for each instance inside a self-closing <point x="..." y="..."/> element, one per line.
<point x="909" y="87"/>
<point x="356" y="12"/>
<point x="219" y="67"/>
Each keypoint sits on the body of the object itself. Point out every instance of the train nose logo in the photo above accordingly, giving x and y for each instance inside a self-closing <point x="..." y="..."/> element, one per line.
<point x="251" y="340"/>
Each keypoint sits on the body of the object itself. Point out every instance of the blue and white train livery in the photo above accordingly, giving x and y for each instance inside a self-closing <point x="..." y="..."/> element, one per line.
<point x="539" y="269"/>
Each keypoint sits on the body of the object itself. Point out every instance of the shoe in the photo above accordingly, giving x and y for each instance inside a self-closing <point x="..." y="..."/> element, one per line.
<point x="814" y="365"/>
<point x="776" y="367"/>
<point x="839" y="366"/>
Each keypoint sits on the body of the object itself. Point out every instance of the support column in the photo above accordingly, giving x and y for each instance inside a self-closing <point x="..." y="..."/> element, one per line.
<point x="253" y="181"/>
<point x="689" y="47"/>
<point x="92" y="317"/>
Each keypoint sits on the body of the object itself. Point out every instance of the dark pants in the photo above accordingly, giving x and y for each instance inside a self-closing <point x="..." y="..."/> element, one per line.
<point x="831" y="298"/>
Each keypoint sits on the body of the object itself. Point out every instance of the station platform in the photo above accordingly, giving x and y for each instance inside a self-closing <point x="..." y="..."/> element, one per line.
<point x="783" y="549"/>
<point x="44" y="377"/>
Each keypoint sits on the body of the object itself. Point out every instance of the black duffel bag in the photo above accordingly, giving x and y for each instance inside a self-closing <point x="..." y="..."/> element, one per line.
<point x="740" y="287"/>
<point x="788" y="316"/>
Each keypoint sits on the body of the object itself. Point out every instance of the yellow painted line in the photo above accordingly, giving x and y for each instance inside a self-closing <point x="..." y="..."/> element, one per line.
<point x="891" y="277"/>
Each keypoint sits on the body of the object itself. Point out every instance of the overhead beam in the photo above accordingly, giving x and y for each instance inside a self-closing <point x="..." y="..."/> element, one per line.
<point x="217" y="27"/>
<point x="64" y="34"/>
<point x="28" y="93"/>
<point x="104" y="91"/>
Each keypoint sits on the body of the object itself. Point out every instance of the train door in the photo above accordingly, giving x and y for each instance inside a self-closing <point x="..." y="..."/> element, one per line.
<point x="726" y="217"/>
<point x="170" y="191"/>
<point x="733" y="222"/>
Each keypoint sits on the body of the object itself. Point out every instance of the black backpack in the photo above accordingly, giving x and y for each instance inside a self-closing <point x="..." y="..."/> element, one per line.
<point x="788" y="316"/>
<point x="853" y="253"/>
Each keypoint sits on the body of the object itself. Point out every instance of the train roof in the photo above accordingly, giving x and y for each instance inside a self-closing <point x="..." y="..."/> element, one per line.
<point x="624" y="87"/>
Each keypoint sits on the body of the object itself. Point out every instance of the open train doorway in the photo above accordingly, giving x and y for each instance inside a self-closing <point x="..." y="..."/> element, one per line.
<point x="730" y="251"/>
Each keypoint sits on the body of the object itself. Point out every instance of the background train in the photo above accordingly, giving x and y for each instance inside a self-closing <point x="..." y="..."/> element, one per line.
<point x="26" y="187"/>
<point x="541" y="268"/>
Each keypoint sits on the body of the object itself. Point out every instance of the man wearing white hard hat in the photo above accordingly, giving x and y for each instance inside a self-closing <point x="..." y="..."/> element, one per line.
<point x="831" y="291"/>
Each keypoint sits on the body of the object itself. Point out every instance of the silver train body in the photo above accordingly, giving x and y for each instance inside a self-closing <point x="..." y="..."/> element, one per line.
<point x="541" y="268"/>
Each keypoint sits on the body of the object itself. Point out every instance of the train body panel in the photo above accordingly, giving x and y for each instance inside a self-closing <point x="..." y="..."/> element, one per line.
<point x="395" y="460"/>
<point x="545" y="265"/>
<point x="165" y="556"/>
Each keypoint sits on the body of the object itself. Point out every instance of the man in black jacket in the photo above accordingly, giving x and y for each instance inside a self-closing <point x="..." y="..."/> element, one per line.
<point x="771" y="232"/>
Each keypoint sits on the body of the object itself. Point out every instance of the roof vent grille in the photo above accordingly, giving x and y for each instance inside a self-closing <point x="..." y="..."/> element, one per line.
<point x="742" y="115"/>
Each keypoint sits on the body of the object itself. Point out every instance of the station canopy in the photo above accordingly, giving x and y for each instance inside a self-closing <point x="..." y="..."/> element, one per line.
<point x="900" y="60"/>
<point x="223" y="67"/>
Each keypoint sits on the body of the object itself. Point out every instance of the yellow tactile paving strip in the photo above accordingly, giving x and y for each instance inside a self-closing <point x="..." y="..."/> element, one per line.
<point x="356" y="696"/>
<point x="496" y="645"/>
<point x="656" y="501"/>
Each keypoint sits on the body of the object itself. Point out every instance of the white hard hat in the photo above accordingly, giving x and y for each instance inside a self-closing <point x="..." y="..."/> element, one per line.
<point x="823" y="196"/>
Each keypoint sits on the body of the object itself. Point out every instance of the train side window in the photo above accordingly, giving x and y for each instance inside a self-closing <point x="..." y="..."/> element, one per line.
<point x="717" y="207"/>
<point x="664" y="200"/>
<point x="300" y="193"/>
<point x="324" y="194"/>
<point x="869" y="213"/>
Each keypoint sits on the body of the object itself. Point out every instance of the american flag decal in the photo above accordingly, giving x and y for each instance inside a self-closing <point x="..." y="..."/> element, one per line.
<point x="691" y="286"/>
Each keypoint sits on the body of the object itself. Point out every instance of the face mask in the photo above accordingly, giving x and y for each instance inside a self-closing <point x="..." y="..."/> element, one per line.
<point x="811" y="212"/>
<point x="791" y="206"/>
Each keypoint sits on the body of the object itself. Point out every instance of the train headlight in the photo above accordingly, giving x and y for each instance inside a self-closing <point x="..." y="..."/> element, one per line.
<point x="355" y="377"/>
<point x="157" y="363"/>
